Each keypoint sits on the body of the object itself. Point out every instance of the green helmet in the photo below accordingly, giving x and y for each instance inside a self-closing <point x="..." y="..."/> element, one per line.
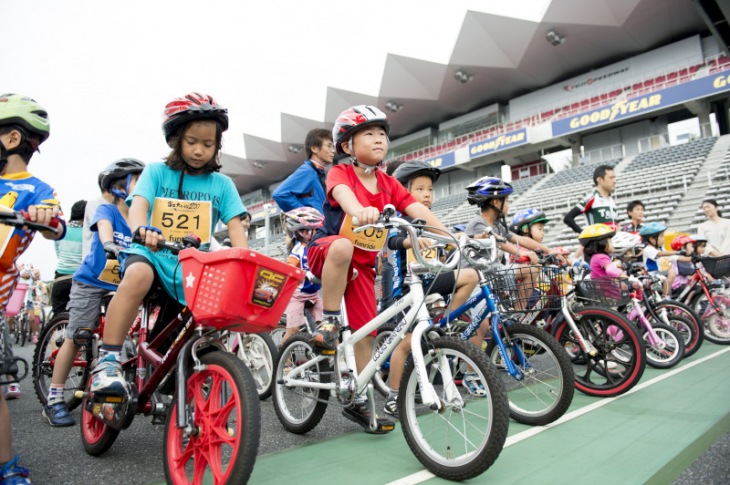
<point x="26" y="113"/>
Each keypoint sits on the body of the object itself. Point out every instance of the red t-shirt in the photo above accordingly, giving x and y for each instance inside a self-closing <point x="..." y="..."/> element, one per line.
<point x="391" y="192"/>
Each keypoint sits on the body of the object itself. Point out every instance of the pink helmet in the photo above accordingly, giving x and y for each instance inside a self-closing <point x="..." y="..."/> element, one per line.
<point x="303" y="218"/>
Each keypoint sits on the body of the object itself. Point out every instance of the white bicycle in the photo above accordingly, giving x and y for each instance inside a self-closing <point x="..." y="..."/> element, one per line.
<point x="454" y="434"/>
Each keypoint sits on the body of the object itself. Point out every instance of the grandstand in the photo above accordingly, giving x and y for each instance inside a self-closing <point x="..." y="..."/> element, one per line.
<point x="612" y="112"/>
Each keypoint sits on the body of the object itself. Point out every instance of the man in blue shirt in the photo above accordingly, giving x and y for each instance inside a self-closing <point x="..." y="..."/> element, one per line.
<point x="306" y="186"/>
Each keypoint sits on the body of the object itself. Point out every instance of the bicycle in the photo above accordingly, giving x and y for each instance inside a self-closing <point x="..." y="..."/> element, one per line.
<point x="468" y="432"/>
<point x="710" y="300"/>
<point x="258" y="352"/>
<point x="535" y="370"/>
<point x="212" y="421"/>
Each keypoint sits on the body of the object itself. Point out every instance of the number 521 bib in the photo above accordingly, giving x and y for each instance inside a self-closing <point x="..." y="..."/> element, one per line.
<point x="178" y="218"/>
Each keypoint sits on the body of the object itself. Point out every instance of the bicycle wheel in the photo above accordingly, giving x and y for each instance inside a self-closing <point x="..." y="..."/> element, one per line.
<point x="44" y="358"/>
<point x="96" y="436"/>
<point x="226" y="419"/>
<point x="258" y="353"/>
<point x="716" y="318"/>
<point x="463" y="439"/>
<point x="380" y="379"/>
<point x="300" y="409"/>
<point x="670" y="350"/>
<point x="691" y="334"/>
<point x="546" y="389"/>
<point x="277" y="335"/>
<point x="621" y="355"/>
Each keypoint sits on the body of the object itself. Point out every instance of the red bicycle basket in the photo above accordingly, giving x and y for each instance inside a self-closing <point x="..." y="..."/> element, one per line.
<point x="237" y="289"/>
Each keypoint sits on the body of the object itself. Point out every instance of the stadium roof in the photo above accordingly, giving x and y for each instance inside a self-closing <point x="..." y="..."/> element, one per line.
<point x="505" y="57"/>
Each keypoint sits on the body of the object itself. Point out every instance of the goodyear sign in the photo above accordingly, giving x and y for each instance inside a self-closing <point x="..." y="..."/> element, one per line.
<point x="443" y="161"/>
<point x="699" y="88"/>
<point x="498" y="143"/>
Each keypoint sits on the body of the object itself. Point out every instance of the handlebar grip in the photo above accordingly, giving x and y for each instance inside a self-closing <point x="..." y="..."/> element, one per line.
<point x="355" y="221"/>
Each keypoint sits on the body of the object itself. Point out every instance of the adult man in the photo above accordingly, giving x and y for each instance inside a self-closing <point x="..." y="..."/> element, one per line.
<point x="598" y="207"/>
<point x="305" y="187"/>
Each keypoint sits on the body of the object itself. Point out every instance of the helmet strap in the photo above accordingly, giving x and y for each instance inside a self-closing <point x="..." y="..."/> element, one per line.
<point x="367" y="168"/>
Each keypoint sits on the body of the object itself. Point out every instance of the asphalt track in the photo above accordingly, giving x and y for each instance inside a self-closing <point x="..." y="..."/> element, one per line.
<point x="654" y="434"/>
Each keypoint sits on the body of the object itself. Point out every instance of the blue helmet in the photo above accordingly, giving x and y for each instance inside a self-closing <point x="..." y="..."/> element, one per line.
<point x="525" y="218"/>
<point x="487" y="188"/>
<point x="652" y="229"/>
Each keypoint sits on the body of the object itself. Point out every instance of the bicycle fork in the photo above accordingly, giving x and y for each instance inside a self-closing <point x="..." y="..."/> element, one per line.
<point x="585" y="345"/>
<point x="638" y="312"/>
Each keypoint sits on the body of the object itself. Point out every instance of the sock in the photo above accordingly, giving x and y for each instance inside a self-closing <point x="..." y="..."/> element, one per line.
<point x="55" y="394"/>
<point x="114" y="350"/>
<point x="326" y="313"/>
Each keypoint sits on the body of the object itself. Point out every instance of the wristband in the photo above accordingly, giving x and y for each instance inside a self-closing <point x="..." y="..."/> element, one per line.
<point x="111" y="247"/>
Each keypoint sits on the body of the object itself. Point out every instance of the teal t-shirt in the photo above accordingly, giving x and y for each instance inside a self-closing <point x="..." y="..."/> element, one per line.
<point x="207" y="198"/>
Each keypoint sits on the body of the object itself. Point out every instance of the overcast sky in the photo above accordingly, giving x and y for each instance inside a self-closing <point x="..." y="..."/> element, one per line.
<point x="105" y="70"/>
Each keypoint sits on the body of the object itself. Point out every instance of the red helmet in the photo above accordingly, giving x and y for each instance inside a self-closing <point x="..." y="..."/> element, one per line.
<point x="192" y="107"/>
<point x="355" y="119"/>
<point x="679" y="242"/>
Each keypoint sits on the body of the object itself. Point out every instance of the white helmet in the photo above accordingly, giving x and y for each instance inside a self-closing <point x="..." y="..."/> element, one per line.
<point x="623" y="242"/>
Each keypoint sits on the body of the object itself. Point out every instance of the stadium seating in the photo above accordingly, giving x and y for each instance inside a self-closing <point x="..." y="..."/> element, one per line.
<point x="720" y="191"/>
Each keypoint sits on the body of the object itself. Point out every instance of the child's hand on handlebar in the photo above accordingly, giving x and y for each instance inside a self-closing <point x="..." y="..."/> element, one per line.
<point x="43" y="214"/>
<point x="366" y="215"/>
<point x="150" y="236"/>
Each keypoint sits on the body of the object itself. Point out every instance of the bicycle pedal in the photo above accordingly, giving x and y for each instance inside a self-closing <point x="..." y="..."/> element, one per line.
<point x="322" y="351"/>
<point x="110" y="399"/>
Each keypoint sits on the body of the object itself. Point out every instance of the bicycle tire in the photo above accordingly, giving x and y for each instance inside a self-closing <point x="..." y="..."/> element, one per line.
<point x="673" y="352"/>
<point x="298" y="411"/>
<point x="380" y="379"/>
<point x="716" y="326"/>
<point x="43" y="364"/>
<point x="224" y="400"/>
<point x="465" y="457"/>
<point x="277" y="335"/>
<point x="618" y="365"/>
<point x="546" y="390"/>
<point x="680" y="316"/>
<point x="96" y="436"/>
<point x="258" y="352"/>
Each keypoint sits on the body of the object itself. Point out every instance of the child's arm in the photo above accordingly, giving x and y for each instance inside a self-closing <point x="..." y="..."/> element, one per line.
<point x="138" y="218"/>
<point x="236" y="233"/>
<point x="420" y="211"/>
<point x="347" y="200"/>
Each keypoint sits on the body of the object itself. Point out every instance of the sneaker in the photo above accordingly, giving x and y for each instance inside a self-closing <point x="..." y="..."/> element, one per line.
<point x="58" y="415"/>
<point x="12" y="474"/>
<point x="473" y="384"/>
<point x="34" y="339"/>
<point x="13" y="391"/>
<point x="108" y="378"/>
<point x="326" y="334"/>
<point x="391" y="406"/>
<point x="359" y="413"/>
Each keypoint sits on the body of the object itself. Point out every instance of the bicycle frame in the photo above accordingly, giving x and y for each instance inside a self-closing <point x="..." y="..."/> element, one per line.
<point x="638" y="313"/>
<point x="416" y="312"/>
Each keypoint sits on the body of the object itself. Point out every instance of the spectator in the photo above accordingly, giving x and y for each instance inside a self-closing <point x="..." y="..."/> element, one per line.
<point x="635" y="211"/>
<point x="306" y="186"/>
<point x="598" y="207"/>
<point x="716" y="229"/>
<point x="68" y="253"/>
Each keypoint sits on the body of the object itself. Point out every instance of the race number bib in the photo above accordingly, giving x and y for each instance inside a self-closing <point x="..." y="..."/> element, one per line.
<point x="110" y="273"/>
<point x="178" y="218"/>
<point x="370" y="239"/>
<point x="428" y="254"/>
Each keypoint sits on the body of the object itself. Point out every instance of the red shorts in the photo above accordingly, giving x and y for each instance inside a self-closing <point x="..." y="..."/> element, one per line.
<point x="360" y="292"/>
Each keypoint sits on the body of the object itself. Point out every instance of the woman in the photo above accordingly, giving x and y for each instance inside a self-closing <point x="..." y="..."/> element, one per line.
<point x="716" y="229"/>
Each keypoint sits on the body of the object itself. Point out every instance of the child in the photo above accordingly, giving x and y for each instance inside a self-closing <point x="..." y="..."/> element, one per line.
<point x="597" y="249"/>
<point x="94" y="279"/>
<point x="23" y="127"/>
<point x="301" y="224"/>
<point x="185" y="192"/>
<point x="635" y="211"/>
<point x="418" y="177"/>
<point x="361" y="191"/>
<point x="529" y="223"/>
<point x="681" y="270"/>
<point x="652" y="235"/>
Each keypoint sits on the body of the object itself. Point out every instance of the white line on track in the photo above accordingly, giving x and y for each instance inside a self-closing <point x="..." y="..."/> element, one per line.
<point x="424" y="475"/>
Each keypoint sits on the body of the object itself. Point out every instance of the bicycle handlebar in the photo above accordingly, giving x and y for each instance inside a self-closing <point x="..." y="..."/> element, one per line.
<point x="20" y="219"/>
<point x="189" y="241"/>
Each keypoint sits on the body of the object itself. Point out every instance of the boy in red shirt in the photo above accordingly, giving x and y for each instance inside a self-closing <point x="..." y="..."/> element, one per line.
<point x="360" y="191"/>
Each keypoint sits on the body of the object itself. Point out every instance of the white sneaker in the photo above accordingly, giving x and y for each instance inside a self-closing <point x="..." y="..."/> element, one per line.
<point x="13" y="391"/>
<point x="108" y="378"/>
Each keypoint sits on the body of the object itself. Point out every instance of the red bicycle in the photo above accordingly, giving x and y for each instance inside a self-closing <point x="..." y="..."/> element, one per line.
<point x="184" y="377"/>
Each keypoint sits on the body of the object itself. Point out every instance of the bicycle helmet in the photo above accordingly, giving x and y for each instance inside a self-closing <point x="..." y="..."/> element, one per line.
<point x="303" y="218"/>
<point x="595" y="232"/>
<point x="26" y="113"/>
<point x="192" y="107"/>
<point x="624" y="242"/>
<point x="698" y="238"/>
<point x="525" y="218"/>
<point x="122" y="168"/>
<point x="679" y="242"/>
<point x="487" y="188"/>
<point x="652" y="229"/>
<point x="355" y="119"/>
<point x="407" y="171"/>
